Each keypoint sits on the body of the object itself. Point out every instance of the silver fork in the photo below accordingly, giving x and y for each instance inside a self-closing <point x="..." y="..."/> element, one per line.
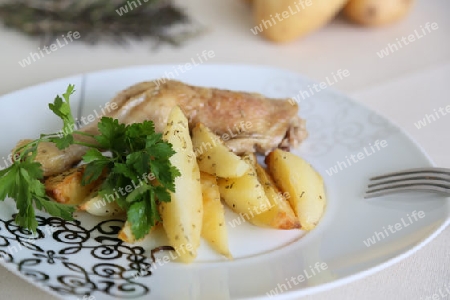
<point x="420" y="179"/>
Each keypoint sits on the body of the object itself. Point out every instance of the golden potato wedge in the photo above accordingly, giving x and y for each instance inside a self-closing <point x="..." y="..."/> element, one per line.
<point x="244" y="195"/>
<point x="100" y="207"/>
<point x="66" y="187"/>
<point x="213" y="156"/>
<point x="280" y="214"/>
<point x="182" y="216"/>
<point x="305" y="186"/>
<point x="214" y="229"/>
<point x="126" y="234"/>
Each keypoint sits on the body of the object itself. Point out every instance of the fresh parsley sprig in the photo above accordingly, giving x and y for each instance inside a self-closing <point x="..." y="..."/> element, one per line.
<point x="22" y="180"/>
<point x="139" y="170"/>
<point x="137" y="152"/>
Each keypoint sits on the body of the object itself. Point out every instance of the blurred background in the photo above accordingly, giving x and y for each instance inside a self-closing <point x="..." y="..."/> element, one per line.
<point x="227" y="24"/>
<point x="397" y="51"/>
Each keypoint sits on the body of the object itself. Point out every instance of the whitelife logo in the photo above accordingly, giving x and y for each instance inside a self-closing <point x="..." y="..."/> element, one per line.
<point x="255" y="211"/>
<point x="429" y="118"/>
<point x="85" y="120"/>
<point x="233" y="131"/>
<point x="378" y="236"/>
<point x="355" y="158"/>
<point x="298" y="7"/>
<point x="318" y="87"/>
<point x="404" y="41"/>
<point x="307" y="274"/>
<point x="8" y="161"/>
<point x="181" y="69"/>
<point x="124" y="9"/>
<point x="49" y="49"/>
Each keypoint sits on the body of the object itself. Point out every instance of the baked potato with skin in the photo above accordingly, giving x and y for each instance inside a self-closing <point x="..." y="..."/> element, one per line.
<point x="305" y="186"/>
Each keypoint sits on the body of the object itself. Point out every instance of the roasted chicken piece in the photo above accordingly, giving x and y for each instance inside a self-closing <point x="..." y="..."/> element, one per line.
<point x="247" y="122"/>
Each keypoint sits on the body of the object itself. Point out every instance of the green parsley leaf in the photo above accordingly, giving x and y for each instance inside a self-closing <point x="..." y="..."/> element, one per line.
<point x="112" y="135"/>
<point x="123" y="169"/>
<point x="94" y="170"/>
<point x="136" y="195"/>
<point x="22" y="181"/>
<point x="93" y="155"/>
<point x="138" y="161"/>
<point x="135" y="151"/>
<point x="138" y="215"/>
<point x="162" y="194"/>
<point x="62" y="109"/>
<point x="62" y="142"/>
<point x="8" y="182"/>
<point x="54" y="208"/>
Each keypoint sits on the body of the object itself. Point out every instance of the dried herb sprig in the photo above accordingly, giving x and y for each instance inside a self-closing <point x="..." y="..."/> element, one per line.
<point x="96" y="20"/>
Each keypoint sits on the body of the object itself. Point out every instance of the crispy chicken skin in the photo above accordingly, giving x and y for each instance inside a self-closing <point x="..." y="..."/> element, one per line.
<point x="247" y="122"/>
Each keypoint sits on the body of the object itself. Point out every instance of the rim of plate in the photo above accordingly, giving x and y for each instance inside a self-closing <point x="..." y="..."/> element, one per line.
<point x="293" y="292"/>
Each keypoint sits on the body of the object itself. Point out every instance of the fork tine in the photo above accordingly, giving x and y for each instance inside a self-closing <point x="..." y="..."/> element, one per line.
<point x="416" y="171"/>
<point x="419" y="179"/>
<point x="405" y="188"/>
<point x="444" y="178"/>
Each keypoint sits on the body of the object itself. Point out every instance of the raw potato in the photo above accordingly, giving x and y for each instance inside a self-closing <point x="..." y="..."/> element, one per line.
<point x="214" y="228"/>
<point x="287" y="20"/>
<point x="280" y="214"/>
<point x="305" y="186"/>
<point x="244" y="195"/>
<point x="377" y="12"/>
<point x="182" y="216"/>
<point x="66" y="187"/>
<point x="213" y="156"/>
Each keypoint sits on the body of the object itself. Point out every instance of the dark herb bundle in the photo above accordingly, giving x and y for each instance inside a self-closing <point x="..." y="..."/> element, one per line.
<point x="96" y="20"/>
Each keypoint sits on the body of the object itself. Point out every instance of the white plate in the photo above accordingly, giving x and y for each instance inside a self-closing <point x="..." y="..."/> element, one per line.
<point x="85" y="258"/>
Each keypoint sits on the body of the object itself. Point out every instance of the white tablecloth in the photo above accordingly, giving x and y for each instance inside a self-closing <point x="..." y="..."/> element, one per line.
<point x="403" y="86"/>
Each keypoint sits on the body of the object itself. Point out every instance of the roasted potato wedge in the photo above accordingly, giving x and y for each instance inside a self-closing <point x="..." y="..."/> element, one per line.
<point x="126" y="234"/>
<point x="213" y="156"/>
<point x="305" y="186"/>
<point x="100" y="207"/>
<point x="66" y="187"/>
<point x="244" y="195"/>
<point x="280" y="214"/>
<point x="182" y="216"/>
<point x="214" y="229"/>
